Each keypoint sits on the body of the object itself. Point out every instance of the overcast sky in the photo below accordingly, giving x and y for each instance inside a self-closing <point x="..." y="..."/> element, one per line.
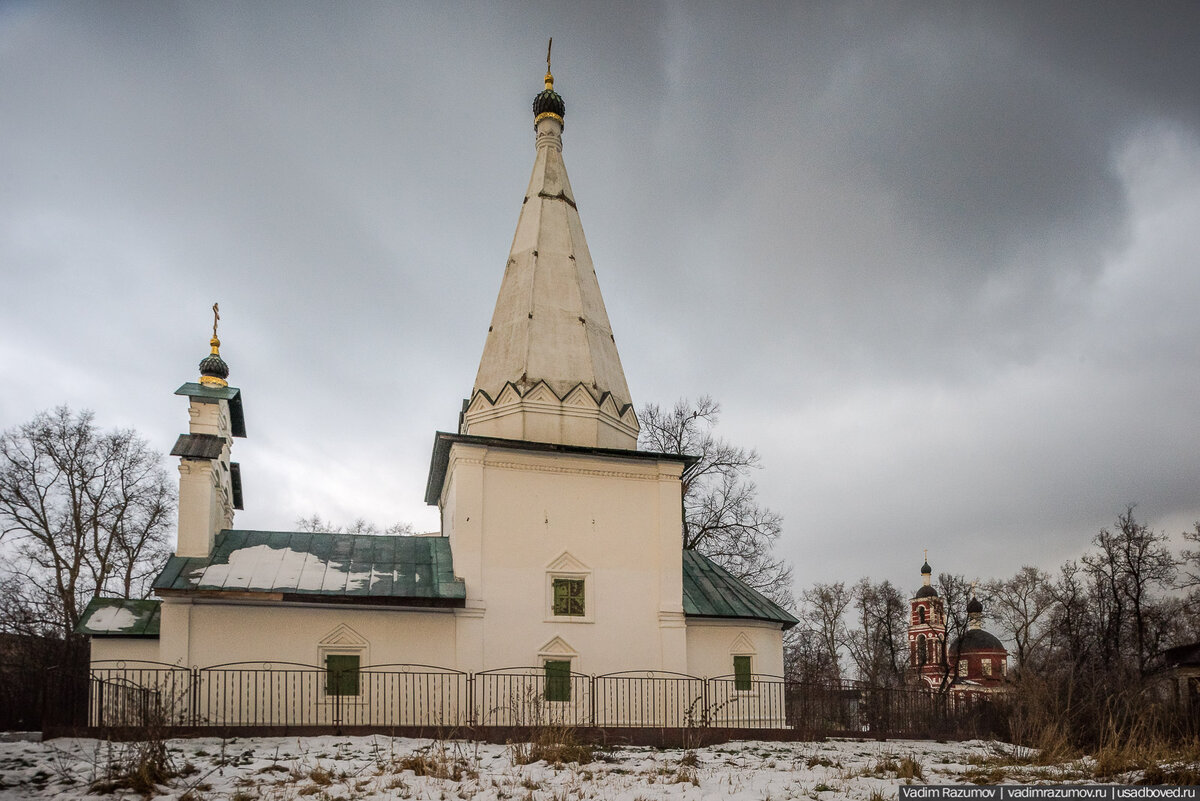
<point x="939" y="263"/>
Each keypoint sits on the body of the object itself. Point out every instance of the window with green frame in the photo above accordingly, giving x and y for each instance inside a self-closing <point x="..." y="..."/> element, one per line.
<point x="558" y="680"/>
<point x="743" y="680"/>
<point x="341" y="674"/>
<point x="568" y="597"/>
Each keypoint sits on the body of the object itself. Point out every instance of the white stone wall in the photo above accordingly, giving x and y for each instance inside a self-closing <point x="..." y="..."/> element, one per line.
<point x="124" y="649"/>
<point x="516" y="518"/>
<point x="202" y="634"/>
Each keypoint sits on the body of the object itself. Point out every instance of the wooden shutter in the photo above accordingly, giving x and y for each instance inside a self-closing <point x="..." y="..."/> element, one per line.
<point x="558" y="681"/>
<point x="341" y="674"/>
<point x="742" y="677"/>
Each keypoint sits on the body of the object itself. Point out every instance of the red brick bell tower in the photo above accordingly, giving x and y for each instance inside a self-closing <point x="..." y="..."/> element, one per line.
<point x="927" y="632"/>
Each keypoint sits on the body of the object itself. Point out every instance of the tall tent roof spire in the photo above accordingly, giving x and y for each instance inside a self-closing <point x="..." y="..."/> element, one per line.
<point x="550" y="371"/>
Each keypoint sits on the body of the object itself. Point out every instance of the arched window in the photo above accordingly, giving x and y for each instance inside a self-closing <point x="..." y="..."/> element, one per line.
<point x="921" y="614"/>
<point x="921" y="650"/>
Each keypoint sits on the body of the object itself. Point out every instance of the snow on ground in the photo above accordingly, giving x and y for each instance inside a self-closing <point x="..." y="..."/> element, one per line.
<point x="369" y="768"/>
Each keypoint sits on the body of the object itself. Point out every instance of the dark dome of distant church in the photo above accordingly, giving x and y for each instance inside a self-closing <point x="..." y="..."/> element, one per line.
<point x="974" y="606"/>
<point x="978" y="640"/>
<point x="927" y="592"/>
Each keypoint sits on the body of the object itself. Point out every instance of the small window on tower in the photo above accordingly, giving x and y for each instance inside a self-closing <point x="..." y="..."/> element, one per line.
<point x="921" y="655"/>
<point x="962" y="667"/>
<point x="921" y="614"/>
<point x="568" y="597"/>
<point x="987" y="667"/>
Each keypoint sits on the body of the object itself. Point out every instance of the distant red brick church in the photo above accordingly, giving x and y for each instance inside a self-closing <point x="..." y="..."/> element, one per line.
<point x="976" y="663"/>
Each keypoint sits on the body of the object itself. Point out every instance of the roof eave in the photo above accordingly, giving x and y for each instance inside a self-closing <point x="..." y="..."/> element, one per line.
<point x="398" y="602"/>
<point x="783" y="625"/>
<point x="442" y="441"/>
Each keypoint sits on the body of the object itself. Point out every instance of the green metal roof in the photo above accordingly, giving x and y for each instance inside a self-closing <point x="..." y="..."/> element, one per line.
<point x="205" y="394"/>
<point x="120" y="617"/>
<point x="303" y="566"/>
<point x="710" y="590"/>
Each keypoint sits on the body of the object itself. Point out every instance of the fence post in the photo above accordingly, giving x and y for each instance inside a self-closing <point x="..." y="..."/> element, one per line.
<point x="592" y="698"/>
<point x="194" y="696"/>
<point x="472" y="719"/>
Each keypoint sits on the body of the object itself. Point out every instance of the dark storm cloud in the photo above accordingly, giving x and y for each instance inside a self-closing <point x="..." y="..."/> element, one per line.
<point x="937" y="260"/>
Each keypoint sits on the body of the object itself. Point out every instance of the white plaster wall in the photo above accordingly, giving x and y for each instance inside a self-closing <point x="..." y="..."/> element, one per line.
<point x="125" y="649"/>
<point x="246" y="632"/>
<point x="710" y="646"/>
<point x="521" y="510"/>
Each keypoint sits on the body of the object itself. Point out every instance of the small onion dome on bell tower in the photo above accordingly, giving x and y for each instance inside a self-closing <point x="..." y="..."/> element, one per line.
<point x="213" y="369"/>
<point x="549" y="103"/>
<point x="927" y="589"/>
<point x="974" y="611"/>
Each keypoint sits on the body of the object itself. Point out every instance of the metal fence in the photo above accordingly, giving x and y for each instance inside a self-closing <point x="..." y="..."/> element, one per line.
<point x="281" y="695"/>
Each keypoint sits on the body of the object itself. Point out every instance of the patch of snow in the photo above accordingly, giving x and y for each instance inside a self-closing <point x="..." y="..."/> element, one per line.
<point x="374" y="769"/>
<point x="111" y="618"/>
<point x="263" y="568"/>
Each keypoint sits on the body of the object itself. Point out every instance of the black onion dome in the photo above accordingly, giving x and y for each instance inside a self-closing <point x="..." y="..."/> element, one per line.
<point x="978" y="640"/>
<point x="925" y="568"/>
<point x="974" y="606"/>
<point x="927" y="592"/>
<point x="549" y="101"/>
<point x="213" y="366"/>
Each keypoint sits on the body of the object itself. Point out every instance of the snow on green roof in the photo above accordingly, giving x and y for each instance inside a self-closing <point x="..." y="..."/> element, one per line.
<point x="710" y="590"/>
<point x="120" y="617"/>
<point x="316" y="567"/>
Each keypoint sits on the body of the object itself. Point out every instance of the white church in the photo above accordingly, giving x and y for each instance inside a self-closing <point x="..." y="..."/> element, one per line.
<point x="560" y="547"/>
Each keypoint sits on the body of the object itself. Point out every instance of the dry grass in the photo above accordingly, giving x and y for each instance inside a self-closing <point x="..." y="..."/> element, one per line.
<point x="438" y="761"/>
<point x="686" y="775"/>
<point x="555" y="745"/>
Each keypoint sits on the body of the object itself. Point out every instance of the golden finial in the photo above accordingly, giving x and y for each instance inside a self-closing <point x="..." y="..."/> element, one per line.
<point x="213" y="369"/>
<point x="549" y="76"/>
<point x="216" y="343"/>
<point x="926" y="550"/>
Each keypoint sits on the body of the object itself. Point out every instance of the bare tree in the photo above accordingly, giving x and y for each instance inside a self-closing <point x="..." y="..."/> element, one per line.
<point x="955" y="592"/>
<point x="87" y="513"/>
<point x="1189" y="577"/>
<point x="878" y="645"/>
<point x="1131" y="564"/>
<point x="722" y="518"/>
<point x="319" y="525"/>
<point x="824" y="619"/>
<point x="1021" y="605"/>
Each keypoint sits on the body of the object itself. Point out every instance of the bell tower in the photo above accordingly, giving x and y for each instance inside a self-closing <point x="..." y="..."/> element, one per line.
<point x="927" y="631"/>
<point x="210" y="485"/>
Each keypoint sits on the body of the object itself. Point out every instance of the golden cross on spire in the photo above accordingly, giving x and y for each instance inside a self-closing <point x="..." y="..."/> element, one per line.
<point x="549" y="75"/>
<point x="216" y="343"/>
<point x="926" y="554"/>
